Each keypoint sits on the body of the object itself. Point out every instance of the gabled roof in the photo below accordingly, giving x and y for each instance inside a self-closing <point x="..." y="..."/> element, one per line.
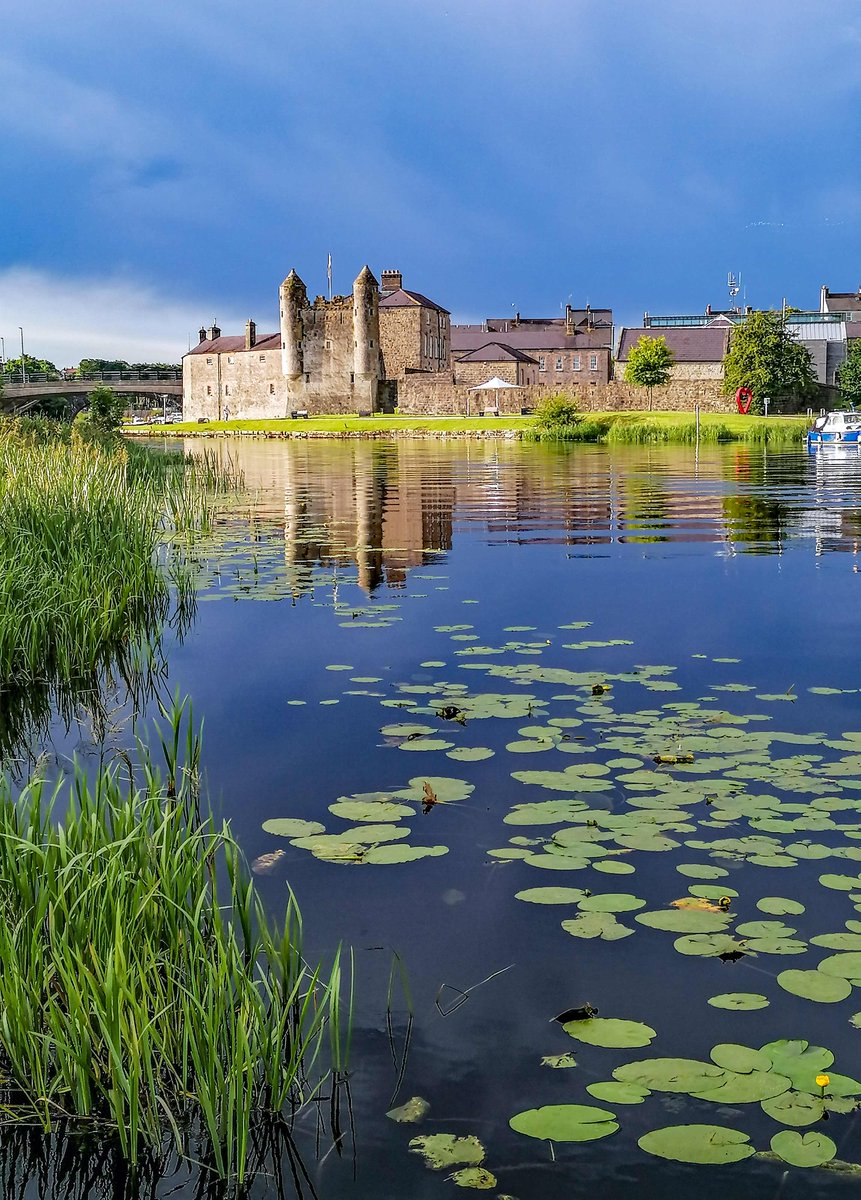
<point x="531" y="339"/>
<point x="496" y="352"/>
<point x="405" y="299"/>
<point x="236" y="344"/>
<point x="704" y="343"/>
<point x="853" y="330"/>
<point x="597" y="318"/>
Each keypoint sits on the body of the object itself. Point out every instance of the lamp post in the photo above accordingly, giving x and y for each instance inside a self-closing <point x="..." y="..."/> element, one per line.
<point x="23" y="365"/>
<point x="2" y="353"/>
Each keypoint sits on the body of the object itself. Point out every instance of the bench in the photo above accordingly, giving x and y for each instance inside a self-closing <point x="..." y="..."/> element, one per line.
<point x="490" y="412"/>
<point x="299" y="412"/>
<point x="364" y="412"/>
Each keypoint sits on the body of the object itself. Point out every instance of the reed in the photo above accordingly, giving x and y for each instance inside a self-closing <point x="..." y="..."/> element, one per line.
<point x="145" y="992"/>
<point x="93" y="535"/>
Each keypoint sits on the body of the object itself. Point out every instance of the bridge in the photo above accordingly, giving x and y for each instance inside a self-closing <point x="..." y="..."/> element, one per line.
<point x="20" y="394"/>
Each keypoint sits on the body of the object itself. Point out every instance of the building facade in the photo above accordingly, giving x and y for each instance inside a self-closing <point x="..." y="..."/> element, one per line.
<point x="698" y="351"/>
<point x="572" y="352"/>
<point x="414" y="330"/>
<point x="325" y="358"/>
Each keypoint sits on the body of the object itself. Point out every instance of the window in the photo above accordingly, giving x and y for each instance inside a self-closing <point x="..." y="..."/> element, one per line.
<point x="261" y="358"/>
<point x="208" y="390"/>
<point x="230" y="358"/>
<point x="575" y="362"/>
<point x="542" y="365"/>
<point x="559" y="362"/>
<point x="328" y="345"/>
<point x="226" y="390"/>
<point x="371" y="343"/>
<point x="593" y="362"/>
<point x="271" y="389"/>
<point x="209" y="362"/>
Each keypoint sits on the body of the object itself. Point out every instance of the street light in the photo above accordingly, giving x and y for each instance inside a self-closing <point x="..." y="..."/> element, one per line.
<point x="23" y="365"/>
<point x="2" y="352"/>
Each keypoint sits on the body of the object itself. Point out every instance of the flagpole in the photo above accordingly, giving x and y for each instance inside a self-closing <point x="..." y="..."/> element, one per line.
<point x="329" y="275"/>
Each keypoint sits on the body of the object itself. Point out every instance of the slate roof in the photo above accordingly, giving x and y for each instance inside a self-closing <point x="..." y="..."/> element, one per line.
<point x="495" y="352"/>
<point x="600" y="318"/>
<point x="236" y="344"/>
<point x="529" y="339"/>
<point x="853" y="329"/>
<point x="707" y="343"/>
<point x="403" y="298"/>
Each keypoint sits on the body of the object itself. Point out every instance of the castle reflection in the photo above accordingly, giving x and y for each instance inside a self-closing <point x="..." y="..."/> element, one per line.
<point x="384" y="508"/>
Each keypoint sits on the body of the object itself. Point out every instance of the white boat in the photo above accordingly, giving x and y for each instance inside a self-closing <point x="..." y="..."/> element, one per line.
<point x="836" y="428"/>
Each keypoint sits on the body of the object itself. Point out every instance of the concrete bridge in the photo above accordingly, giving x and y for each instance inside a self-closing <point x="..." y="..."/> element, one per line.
<point x="19" y="395"/>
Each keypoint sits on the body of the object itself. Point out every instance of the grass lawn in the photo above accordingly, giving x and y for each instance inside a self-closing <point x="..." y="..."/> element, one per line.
<point x="612" y="426"/>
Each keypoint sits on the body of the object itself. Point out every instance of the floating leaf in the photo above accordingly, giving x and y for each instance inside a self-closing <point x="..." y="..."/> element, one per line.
<point x="739" y="1001"/>
<point x="565" y="1123"/>
<point x="678" y="920"/>
<point x="778" y="906"/>
<point x="290" y="827"/>
<point x="410" y="1113"/>
<point x="815" y="985"/>
<point x="610" y="1032"/>
<point x="614" y="1092"/>
<point x="559" y="1060"/>
<point x="402" y="854"/>
<point x="441" y="1150"/>
<point x="795" y="1108"/>
<point x="551" y="895"/>
<point x="740" y="1058"/>
<point x="697" y="1144"/>
<point x="473" y="1177"/>
<point x="611" y="902"/>
<point x="803" y="1150"/>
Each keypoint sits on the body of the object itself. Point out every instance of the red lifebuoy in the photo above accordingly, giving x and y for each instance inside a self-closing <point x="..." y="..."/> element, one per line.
<point x="744" y="399"/>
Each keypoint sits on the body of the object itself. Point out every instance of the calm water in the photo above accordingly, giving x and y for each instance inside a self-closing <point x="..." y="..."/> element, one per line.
<point x="371" y="584"/>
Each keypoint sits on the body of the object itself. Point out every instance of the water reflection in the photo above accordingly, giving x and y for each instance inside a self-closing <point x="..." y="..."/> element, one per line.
<point x="383" y="509"/>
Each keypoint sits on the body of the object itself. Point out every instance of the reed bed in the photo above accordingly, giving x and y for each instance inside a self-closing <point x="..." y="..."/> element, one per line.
<point x="93" y="535"/>
<point x="145" y="992"/>
<point x="645" y="429"/>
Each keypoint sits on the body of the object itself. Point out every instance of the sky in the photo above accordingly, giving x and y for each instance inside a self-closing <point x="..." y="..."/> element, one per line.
<point x="165" y="164"/>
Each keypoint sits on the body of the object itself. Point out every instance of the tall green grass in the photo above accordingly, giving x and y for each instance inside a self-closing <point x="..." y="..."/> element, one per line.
<point x="144" y="992"/>
<point x="627" y="429"/>
<point x="93" y="537"/>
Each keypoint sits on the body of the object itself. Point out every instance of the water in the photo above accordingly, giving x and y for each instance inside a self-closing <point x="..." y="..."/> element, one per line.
<point x="392" y="562"/>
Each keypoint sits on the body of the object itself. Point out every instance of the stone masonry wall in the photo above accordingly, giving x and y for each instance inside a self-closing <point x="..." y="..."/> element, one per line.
<point x="403" y="336"/>
<point x="423" y="395"/>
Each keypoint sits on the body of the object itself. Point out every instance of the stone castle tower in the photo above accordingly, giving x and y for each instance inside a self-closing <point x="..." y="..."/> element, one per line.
<point x="331" y="347"/>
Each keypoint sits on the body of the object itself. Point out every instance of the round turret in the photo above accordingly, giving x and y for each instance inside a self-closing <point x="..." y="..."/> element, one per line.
<point x="293" y="298"/>
<point x="366" y="326"/>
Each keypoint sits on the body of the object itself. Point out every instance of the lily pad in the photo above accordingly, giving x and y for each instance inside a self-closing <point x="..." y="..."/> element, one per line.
<point x="441" y="1150"/>
<point x="410" y="1113"/>
<point x="559" y="1060"/>
<point x="379" y="855"/>
<point x="739" y="1001"/>
<point x="815" y="985"/>
<point x="565" y="1123"/>
<point x="291" y="827"/>
<point x="610" y="1032"/>
<point x="474" y="1177"/>
<point x="795" y="1108"/>
<point x="551" y="895"/>
<point x="803" y="1150"/>
<point x="711" y="1144"/>
<point x="778" y="906"/>
<point x="614" y="1092"/>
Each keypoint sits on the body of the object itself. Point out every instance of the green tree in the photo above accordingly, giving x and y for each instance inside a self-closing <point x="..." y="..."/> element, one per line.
<point x="849" y="376"/>
<point x="89" y="366"/>
<point x="106" y="410"/>
<point x="765" y="356"/>
<point x="649" y="364"/>
<point x="32" y="365"/>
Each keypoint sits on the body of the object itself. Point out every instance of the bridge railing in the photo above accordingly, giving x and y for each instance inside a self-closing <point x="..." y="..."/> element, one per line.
<point x="169" y="376"/>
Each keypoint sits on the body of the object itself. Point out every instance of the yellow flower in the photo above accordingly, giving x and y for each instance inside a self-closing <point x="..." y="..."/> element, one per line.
<point x="823" y="1080"/>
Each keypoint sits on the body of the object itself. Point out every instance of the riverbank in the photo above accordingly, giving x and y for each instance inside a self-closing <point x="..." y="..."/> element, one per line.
<point x="632" y="427"/>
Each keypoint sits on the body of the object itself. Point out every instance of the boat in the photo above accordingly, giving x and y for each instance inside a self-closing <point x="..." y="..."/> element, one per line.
<point x="836" y="428"/>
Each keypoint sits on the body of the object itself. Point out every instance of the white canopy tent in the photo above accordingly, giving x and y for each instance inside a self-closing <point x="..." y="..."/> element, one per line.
<point x="494" y="385"/>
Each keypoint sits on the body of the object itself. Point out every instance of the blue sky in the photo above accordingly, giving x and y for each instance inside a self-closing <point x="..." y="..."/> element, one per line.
<point x="167" y="163"/>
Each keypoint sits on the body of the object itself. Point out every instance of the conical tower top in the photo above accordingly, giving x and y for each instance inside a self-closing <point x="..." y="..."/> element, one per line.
<point x="293" y="280"/>
<point x="366" y="278"/>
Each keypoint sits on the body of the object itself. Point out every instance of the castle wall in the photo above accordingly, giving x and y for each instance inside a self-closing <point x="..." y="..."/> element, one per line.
<point x="423" y="395"/>
<point x="246" y="384"/>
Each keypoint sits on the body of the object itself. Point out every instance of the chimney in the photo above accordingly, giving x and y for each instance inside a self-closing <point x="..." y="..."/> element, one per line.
<point x="201" y="334"/>
<point x="390" y="281"/>
<point x="589" y="316"/>
<point x="708" y="310"/>
<point x="213" y="332"/>
<point x="250" y="334"/>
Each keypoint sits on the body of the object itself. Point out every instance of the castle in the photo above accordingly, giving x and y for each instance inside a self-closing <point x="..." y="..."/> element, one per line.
<point x="342" y="355"/>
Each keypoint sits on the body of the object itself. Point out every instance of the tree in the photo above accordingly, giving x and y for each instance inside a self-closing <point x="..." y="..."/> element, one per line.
<point x="764" y="356"/>
<point x="649" y="364"/>
<point x="12" y="366"/>
<point x="849" y="376"/>
<point x="106" y="410"/>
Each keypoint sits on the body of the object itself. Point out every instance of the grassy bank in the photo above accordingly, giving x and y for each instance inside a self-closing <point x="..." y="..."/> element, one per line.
<point x="609" y="427"/>
<point x="144" y="992"/>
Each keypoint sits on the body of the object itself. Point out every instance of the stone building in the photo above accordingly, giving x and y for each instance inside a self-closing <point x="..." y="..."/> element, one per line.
<point x="698" y="351"/>
<point x="572" y="352"/>
<point x="326" y="358"/>
<point x="415" y="332"/>
<point x="496" y="360"/>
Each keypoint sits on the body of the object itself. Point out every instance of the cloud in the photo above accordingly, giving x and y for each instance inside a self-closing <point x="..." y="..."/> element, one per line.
<point x="66" y="319"/>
